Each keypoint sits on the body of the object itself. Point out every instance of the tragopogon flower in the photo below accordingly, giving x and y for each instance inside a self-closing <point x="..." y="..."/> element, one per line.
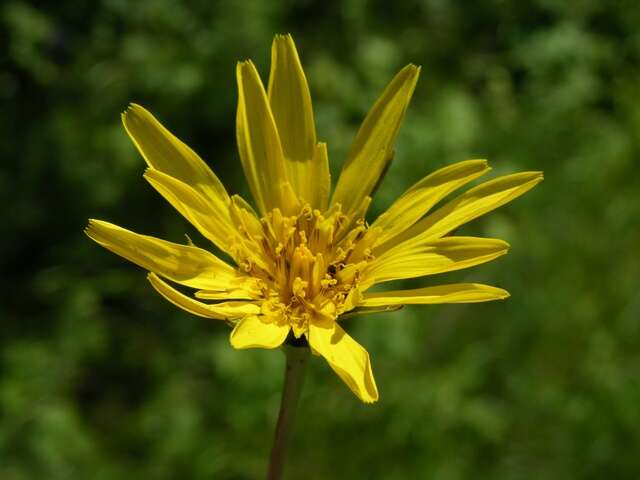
<point x="307" y="257"/>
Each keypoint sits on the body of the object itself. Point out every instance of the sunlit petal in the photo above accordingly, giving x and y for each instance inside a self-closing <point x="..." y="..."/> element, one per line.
<point x="219" y="311"/>
<point x="258" y="141"/>
<point x="419" y="199"/>
<point x="446" y="254"/>
<point x="253" y="332"/>
<point x="468" y="206"/>
<point x="347" y="358"/>
<point x="184" y="264"/>
<point x="373" y="147"/>
<point x="455" y="293"/>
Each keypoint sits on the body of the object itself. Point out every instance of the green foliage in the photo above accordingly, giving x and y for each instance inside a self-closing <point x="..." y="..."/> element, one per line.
<point x="102" y="379"/>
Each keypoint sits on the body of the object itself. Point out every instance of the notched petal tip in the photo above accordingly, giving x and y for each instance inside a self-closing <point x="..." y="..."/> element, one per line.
<point x="370" y="401"/>
<point x="244" y="65"/>
<point x="531" y="177"/>
<point x="282" y="37"/>
<point x="242" y="68"/>
<point x="408" y="78"/>
<point x="503" y="245"/>
<point x="495" y="292"/>
<point x="502" y="248"/>
<point x="133" y="110"/>
<point x="412" y="70"/>
<point x="93" y="227"/>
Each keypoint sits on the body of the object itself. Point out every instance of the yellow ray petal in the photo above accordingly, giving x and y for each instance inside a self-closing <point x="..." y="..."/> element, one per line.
<point x="361" y="311"/>
<point x="234" y="294"/>
<point x="252" y="332"/>
<point x="219" y="311"/>
<point x="418" y="259"/>
<point x="468" y="206"/>
<point x="212" y="220"/>
<point x="419" y="199"/>
<point x="455" y="293"/>
<point x="166" y="153"/>
<point x="184" y="264"/>
<point x="318" y="178"/>
<point x="373" y="146"/>
<point x="290" y="100"/>
<point x="246" y="222"/>
<point x="258" y="141"/>
<point x="347" y="358"/>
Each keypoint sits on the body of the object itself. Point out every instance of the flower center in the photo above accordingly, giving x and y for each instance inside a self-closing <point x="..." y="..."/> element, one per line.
<point x="309" y="264"/>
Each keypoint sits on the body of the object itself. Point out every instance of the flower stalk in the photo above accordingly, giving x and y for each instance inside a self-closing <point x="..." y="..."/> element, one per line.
<point x="296" y="362"/>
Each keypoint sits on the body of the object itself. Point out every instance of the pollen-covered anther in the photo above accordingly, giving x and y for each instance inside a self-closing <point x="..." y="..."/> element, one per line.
<point x="299" y="288"/>
<point x="328" y="281"/>
<point x="305" y="264"/>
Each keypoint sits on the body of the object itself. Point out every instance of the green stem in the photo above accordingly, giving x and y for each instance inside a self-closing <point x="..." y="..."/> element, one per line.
<point x="294" y="377"/>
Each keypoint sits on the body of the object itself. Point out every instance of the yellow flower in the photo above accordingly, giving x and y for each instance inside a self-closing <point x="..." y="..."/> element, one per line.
<point x="306" y="257"/>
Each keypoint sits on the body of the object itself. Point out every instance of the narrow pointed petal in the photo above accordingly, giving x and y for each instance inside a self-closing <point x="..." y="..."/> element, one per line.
<point x="373" y="146"/>
<point x="318" y="179"/>
<point x="252" y="332"/>
<point x="290" y="102"/>
<point x="219" y="311"/>
<point x="183" y="264"/>
<point x="422" y="196"/>
<point x="428" y="258"/>
<point x="258" y="141"/>
<point x="166" y="153"/>
<point x="360" y="311"/>
<point x="468" y="206"/>
<point x="455" y="293"/>
<point x="347" y="358"/>
<point x="212" y="220"/>
<point x="235" y="294"/>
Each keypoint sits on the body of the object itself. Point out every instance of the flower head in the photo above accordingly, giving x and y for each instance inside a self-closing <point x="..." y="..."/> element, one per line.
<point x="306" y="258"/>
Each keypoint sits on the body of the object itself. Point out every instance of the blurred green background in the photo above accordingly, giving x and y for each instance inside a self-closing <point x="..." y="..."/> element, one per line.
<point x="102" y="379"/>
